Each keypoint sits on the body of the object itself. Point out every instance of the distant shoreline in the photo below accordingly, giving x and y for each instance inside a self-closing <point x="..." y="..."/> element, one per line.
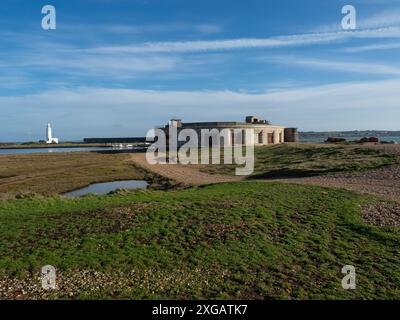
<point x="305" y="136"/>
<point x="48" y="146"/>
<point x="353" y="133"/>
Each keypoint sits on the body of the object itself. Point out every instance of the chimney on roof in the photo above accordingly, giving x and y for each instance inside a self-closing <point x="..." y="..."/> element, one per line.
<point x="176" y="123"/>
<point x="255" y="120"/>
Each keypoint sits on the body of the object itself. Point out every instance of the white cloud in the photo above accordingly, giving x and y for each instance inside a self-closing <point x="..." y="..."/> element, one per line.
<point x="243" y="43"/>
<point x="208" y="28"/>
<point x="341" y="66"/>
<point x="381" y="19"/>
<point x="121" y="65"/>
<point x="132" y="29"/>
<point x="157" y="58"/>
<point x="95" y="111"/>
<point x="372" y="47"/>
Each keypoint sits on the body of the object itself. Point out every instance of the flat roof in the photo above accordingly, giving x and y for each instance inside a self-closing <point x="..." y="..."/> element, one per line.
<point x="217" y="123"/>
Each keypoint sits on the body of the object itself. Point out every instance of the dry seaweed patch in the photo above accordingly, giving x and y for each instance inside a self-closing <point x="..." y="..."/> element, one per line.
<point x="80" y="224"/>
<point x="211" y="233"/>
<point x="133" y="284"/>
<point x="382" y="214"/>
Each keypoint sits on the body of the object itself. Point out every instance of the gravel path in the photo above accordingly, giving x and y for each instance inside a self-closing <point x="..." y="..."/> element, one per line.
<point x="383" y="182"/>
<point x="186" y="175"/>
<point x="382" y="214"/>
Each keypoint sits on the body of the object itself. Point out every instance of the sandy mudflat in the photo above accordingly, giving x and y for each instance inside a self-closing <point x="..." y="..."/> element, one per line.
<point x="186" y="175"/>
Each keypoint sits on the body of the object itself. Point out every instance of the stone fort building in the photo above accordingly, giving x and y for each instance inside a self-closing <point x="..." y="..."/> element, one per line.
<point x="264" y="132"/>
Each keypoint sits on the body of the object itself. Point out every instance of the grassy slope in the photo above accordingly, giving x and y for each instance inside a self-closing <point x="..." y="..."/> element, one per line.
<point x="50" y="174"/>
<point x="296" y="160"/>
<point x="239" y="240"/>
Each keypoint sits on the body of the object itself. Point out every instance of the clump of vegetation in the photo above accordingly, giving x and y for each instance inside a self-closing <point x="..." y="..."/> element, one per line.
<point x="245" y="240"/>
<point x="27" y="195"/>
<point x="301" y="160"/>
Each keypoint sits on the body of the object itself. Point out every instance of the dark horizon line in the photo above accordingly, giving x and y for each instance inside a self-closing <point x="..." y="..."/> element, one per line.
<point x="300" y="132"/>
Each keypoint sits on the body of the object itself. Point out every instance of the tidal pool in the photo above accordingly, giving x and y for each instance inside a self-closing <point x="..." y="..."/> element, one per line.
<point x="106" y="187"/>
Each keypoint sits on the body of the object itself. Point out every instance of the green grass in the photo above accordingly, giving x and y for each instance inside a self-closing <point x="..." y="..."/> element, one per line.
<point x="244" y="240"/>
<point x="300" y="160"/>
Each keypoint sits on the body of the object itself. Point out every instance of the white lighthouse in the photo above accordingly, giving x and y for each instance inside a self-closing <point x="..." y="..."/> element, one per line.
<point x="49" y="136"/>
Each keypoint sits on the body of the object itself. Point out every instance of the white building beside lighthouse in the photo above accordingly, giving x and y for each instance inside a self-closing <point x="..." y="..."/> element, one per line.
<point x="49" y="135"/>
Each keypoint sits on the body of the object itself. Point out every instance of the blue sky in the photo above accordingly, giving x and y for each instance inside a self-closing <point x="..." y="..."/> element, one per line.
<point x="120" y="67"/>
